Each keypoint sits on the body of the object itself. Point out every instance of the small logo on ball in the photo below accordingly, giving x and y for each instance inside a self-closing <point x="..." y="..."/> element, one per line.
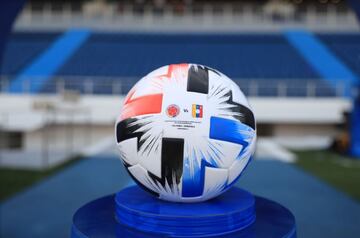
<point x="197" y="111"/>
<point x="172" y="110"/>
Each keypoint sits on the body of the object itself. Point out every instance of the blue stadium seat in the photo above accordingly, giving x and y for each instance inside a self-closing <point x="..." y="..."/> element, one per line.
<point x="346" y="47"/>
<point x="22" y="48"/>
<point x="264" y="58"/>
<point x="239" y="56"/>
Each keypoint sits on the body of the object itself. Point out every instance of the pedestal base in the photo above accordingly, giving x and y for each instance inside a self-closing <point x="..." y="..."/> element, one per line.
<point x="134" y="213"/>
<point x="230" y="212"/>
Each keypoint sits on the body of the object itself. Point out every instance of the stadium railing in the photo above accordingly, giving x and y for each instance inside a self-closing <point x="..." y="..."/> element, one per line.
<point x="121" y="85"/>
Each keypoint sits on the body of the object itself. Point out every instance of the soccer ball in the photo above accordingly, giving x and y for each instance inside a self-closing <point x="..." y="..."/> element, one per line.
<point x="185" y="133"/>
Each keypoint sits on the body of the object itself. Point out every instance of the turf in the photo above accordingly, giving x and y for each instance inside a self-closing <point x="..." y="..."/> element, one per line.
<point x="13" y="181"/>
<point x="340" y="171"/>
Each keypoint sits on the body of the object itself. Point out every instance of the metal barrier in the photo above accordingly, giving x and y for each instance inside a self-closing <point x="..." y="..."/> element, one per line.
<point x="121" y="85"/>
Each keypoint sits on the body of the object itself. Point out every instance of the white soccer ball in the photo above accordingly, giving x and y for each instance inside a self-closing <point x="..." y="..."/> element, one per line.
<point x="185" y="133"/>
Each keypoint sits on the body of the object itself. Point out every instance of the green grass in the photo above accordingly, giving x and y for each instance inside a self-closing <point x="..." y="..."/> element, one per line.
<point x="340" y="171"/>
<point x="13" y="181"/>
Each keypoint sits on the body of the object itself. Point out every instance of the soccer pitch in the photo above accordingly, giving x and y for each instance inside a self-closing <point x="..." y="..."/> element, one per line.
<point x="339" y="171"/>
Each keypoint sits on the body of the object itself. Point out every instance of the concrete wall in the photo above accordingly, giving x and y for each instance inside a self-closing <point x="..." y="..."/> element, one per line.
<point x="64" y="128"/>
<point x="305" y="136"/>
<point x="53" y="144"/>
<point x="67" y="137"/>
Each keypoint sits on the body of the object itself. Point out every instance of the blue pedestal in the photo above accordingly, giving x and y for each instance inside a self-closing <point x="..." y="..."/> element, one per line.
<point x="134" y="213"/>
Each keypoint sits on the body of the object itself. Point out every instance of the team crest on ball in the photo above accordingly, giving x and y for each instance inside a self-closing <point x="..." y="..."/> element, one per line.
<point x="197" y="111"/>
<point x="200" y="154"/>
<point x="172" y="110"/>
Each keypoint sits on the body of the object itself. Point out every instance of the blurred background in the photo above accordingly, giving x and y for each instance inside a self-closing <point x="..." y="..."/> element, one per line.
<point x="65" y="67"/>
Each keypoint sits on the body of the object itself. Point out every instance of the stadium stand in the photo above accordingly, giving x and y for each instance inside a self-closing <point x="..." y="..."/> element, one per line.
<point x="22" y="48"/>
<point x="346" y="47"/>
<point x="109" y="58"/>
<point x="240" y="56"/>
